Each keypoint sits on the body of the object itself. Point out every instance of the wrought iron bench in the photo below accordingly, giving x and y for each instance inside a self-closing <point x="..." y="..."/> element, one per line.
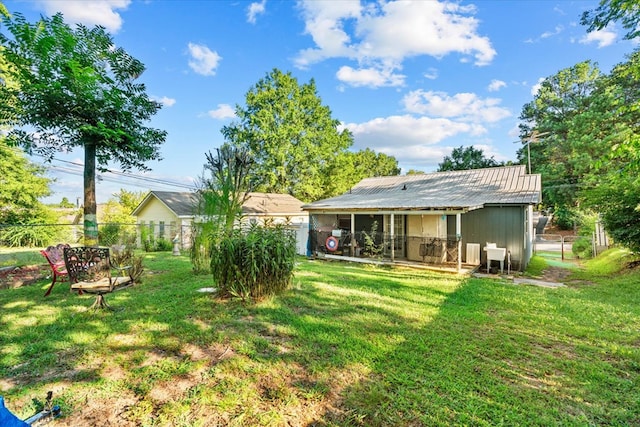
<point x="55" y="257"/>
<point x="91" y="271"/>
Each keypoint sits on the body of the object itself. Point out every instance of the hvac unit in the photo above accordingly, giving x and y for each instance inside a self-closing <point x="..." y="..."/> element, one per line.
<point x="473" y="253"/>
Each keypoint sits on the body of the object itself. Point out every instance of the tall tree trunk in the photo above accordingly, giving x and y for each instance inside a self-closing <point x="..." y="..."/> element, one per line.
<point x="90" y="208"/>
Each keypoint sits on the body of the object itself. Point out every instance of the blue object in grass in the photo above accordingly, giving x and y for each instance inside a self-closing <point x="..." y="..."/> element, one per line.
<point x="7" y="419"/>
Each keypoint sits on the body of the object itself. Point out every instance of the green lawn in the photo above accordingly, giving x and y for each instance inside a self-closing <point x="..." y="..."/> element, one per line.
<point x="348" y="345"/>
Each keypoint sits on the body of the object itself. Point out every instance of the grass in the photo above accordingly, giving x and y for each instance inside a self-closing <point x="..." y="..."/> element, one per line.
<point x="347" y="345"/>
<point x="19" y="257"/>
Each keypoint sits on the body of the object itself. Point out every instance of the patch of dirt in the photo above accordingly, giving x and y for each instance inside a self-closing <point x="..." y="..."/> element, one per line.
<point x="14" y="277"/>
<point x="555" y="274"/>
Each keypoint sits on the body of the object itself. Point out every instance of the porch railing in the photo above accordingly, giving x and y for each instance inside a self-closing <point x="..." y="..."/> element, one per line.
<point x="427" y="249"/>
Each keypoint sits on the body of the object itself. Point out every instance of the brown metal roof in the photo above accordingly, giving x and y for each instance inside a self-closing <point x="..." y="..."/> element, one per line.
<point x="184" y="203"/>
<point x="458" y="190"/>
<point x="271" y="203"/>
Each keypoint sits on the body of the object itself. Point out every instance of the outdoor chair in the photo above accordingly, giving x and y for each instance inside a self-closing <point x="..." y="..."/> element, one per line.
<point x="55" y="257"/>
<point x="91" y="271"/>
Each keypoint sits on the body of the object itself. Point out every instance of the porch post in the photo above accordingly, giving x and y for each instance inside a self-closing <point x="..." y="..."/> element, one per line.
<point x="459" y="238"/>
<point x="353" y="235"/>
<point x="393" y="248"/>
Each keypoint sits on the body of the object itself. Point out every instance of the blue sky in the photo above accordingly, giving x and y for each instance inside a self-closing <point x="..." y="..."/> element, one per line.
<point x="410" y="79"/>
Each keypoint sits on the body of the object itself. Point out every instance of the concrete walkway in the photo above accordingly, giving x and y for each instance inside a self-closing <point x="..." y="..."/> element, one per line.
<point x="520" y="280"/>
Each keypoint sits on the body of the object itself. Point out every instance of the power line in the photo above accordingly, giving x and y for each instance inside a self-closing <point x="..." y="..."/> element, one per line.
<point x="103" y="177"/>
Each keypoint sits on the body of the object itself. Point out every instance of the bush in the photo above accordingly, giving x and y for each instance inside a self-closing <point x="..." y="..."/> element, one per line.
<point x="201" y="248"/>
<point x="254" y="264"/>
<point x="36" y="230"/>
<point x="582" y="248"/>
<point x="564" y="217"/>
<point x="122" y="256"/>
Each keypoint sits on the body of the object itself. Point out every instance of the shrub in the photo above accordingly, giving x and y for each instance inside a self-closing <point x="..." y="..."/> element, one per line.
<point x="582" y="248"/>
<point x="36" y="230"/>
<point x="255" y="263"/>
<point x="122" y="255"/>
<point x="200" y="252"/>
<point x="564" y="217"/>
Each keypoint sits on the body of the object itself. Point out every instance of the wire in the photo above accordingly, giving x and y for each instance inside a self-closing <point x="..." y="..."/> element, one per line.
<point x="79" y="171"/>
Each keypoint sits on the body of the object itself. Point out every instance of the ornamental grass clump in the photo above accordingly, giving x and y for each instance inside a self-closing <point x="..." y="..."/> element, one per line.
<point x="254" y="263"/>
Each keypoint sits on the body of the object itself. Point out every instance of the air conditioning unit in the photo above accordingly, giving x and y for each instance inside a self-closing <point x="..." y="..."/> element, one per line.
<point x="473" y="253"/>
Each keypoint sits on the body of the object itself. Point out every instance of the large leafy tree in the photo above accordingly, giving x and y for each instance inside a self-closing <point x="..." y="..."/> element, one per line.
<point x="297" y="146"/>
<point x="613" y="187"/>
<point x="350" y="167"/>
<point x="627" y="12"/>
<point x="467" y="158"/>
<point x="76" y="88"/>
<point x="560" y="112"/>
<point x="22" y="184"/>
<point x="24" y="220"/>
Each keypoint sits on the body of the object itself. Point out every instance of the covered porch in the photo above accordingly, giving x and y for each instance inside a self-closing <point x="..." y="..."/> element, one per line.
<point x="416" y="238"/>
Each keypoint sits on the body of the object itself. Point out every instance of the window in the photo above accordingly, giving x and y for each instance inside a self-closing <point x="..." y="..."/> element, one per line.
<point x="161" y="230"/>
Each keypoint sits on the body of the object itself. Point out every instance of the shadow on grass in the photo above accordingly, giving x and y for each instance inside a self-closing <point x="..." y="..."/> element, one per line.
<point x="346" y="345"/>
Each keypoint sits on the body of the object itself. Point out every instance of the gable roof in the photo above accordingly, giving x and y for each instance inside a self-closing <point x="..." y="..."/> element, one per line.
<point x="272" y="203"/>
<point x="180" y="203"/>
<point x="454" y="190"/>
<point x="183" y="203"/>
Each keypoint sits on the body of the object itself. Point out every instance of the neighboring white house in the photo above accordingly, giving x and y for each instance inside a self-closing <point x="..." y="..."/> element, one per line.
<point x="169" y="214"/>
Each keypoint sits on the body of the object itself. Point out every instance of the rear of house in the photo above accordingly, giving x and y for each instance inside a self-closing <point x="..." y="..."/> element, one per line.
<point x="442" y="218"/>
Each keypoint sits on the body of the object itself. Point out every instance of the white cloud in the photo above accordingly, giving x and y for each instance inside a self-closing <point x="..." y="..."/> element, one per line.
<point x="224" y="111"/>
<point x="411" y="140"/>
<point x="254" y="10"/>
<point x="166" y="101"/>
<point x="602" y="38"/>
<point x="496" y="85"/>
<point x="381" y="36"/>
<point x="89" y="12"/>
<point x="203" y="60"/>
<point x="431" y="74"/>
<point x="369" y="77"/>
<point x="555" y="32"/>
<point x="467" y="107"/>
<point x="536" y="87"/>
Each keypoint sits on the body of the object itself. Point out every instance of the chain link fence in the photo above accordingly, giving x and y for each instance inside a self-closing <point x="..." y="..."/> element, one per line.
<point x="150" y="237"/>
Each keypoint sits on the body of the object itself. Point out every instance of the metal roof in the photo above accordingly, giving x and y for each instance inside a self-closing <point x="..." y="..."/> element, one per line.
<point x="455" y="190"/>
<point x="183" y="203"/>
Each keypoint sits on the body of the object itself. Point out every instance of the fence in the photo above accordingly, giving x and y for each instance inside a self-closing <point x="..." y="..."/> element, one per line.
<point x="569" y="247"/>
<point x="148" y="236"/>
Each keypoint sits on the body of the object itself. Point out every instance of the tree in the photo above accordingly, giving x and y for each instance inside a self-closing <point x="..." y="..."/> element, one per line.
<point x="291" y="136"/>
<point x="66" y="204"/>
<point x="466" y="158"/>
<point x="349" y="168"/>
<point x="26" y="221"/>
<point x="612" y="186"/>
<point x="625" y="11"/>
<point x="223" y="192"/>
<point x="75" y="88"/>
<point x="21" y="185"/>
<point x="561" y="111"/>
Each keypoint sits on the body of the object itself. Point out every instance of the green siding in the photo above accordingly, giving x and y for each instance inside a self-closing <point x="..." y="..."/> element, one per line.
<point x="503" y="225"/>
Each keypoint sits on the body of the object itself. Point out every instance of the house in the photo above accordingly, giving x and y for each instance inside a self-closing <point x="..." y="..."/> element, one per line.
<point x="170" y="214"/>
<point x="443" y="218"/>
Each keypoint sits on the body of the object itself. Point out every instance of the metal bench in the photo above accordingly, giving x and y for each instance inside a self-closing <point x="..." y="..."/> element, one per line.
<point x="91" y="271"/>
